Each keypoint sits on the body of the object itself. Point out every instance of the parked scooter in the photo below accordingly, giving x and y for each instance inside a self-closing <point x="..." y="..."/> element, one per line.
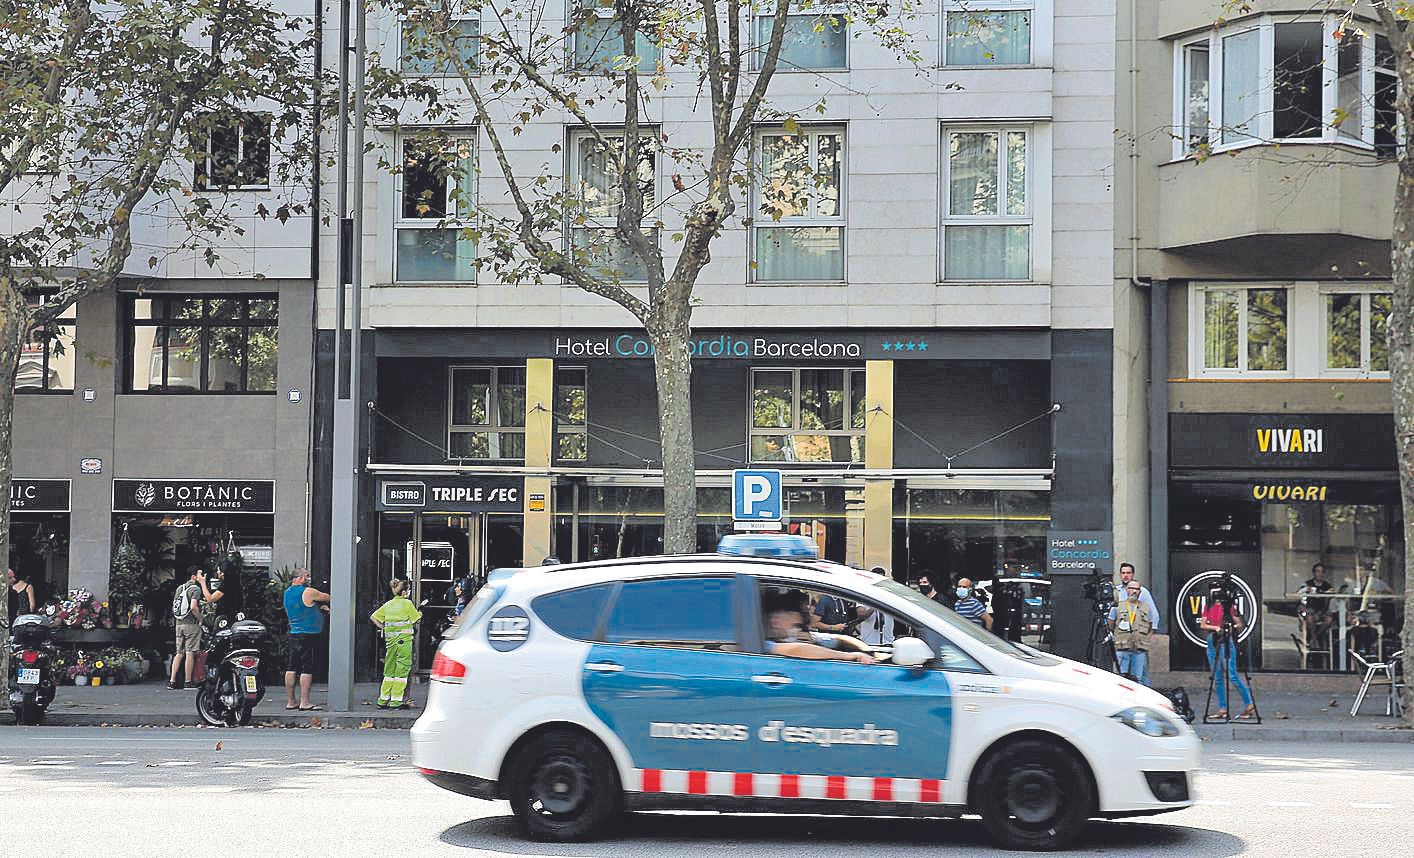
<point x="31" y="680"/>
<point x="232" y="686"/>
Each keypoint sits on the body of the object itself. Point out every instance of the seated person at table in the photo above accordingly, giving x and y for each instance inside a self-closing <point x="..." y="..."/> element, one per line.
<point x="1315" y="612"/>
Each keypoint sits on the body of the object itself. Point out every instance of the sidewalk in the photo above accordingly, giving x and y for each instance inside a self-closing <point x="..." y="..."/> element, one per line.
<point x="1287" y="716"/>
<point x="152" y="704"/>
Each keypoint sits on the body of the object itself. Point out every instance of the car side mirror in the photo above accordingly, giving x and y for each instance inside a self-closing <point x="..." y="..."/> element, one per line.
<point x="911" y="652"/>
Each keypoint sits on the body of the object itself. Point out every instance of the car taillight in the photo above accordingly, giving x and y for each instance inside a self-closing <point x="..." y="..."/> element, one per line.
<point x="247" y="662"/>
<point x="30" y="656"/>
<point x="446" y="669"/>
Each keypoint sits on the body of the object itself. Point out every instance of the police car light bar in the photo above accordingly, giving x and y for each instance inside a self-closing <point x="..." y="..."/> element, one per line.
<point x="769" y="545"/>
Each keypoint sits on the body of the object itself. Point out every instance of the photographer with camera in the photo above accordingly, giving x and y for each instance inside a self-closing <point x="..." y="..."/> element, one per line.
<point x="1132" y="627"/>
<point x="1222" y="623"/>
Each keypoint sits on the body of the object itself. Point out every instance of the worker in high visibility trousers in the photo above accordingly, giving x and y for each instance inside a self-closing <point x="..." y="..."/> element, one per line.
<point x="397" y="618"/>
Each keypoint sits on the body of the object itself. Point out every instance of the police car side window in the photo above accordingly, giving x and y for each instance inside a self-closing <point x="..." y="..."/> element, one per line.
<point x="573" y="613"/>
<point x="690" y="613"/>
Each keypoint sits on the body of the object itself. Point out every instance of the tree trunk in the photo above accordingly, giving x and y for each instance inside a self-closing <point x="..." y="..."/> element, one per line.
<point x="14" y="324"/>
<point x="672" y="368"/>
<point x="1401" y="366"/>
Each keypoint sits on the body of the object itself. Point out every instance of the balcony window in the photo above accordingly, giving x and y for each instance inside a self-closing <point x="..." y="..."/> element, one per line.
<point x="816" y="39"/>
<point x="47" y="356"/>
<point x="486" y="413"/>
<point x="1284" y="79"/>
<point x="1357" y="332"/>
<point x="202" y="344"/>
<point x="799" y="195"/>
<point x="987" y="34"/>
<point x="436" y="198"/>
<point x="807" y="415"/>
<point x="594" y="185"/>
<point x="987" y="213"/>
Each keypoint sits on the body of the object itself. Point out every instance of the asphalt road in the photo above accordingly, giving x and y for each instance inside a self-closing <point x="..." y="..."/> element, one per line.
<point x="115" y="792"/>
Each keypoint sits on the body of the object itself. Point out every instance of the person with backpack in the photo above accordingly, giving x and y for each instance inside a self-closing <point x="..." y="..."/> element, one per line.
<point x="186" y="619"/>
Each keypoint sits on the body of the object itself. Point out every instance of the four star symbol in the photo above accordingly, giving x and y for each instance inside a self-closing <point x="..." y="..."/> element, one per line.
<point x="905" y="345"/>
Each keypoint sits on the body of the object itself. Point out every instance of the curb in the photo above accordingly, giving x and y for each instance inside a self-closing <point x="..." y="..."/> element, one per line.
<point x="322" y="720"/>
<point x="1264" y="733"/>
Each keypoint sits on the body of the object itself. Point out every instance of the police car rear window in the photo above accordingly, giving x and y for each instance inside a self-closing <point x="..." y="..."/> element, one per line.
<point x="573" y="613"/>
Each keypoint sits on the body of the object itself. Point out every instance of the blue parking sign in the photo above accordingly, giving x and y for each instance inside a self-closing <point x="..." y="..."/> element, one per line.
<point x="756" y="495"/>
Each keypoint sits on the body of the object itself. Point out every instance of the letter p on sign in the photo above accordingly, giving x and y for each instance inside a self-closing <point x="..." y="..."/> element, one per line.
<point x="756" y="495"/>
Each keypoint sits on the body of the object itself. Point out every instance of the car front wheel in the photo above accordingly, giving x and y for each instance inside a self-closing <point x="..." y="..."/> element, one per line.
<point x="1034" y="795"/>
<point x="563" y="787"/>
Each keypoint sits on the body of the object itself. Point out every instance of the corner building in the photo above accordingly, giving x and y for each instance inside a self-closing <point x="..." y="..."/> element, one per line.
<point x="895" y="347"/>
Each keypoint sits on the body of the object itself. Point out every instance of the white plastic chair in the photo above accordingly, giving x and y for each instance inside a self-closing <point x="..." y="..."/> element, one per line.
<point x="1379" y="673"/>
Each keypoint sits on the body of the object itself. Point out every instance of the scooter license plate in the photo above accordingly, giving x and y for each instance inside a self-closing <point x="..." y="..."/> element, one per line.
<point x="29" y="676"/>
<point x="250" y="684"/>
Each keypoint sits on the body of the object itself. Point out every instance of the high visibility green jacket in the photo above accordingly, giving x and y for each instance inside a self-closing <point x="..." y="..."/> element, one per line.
<point x="397" y="616"/>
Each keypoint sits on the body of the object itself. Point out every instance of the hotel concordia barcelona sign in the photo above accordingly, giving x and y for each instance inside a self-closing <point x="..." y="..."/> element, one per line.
<point x="193" y="495"/>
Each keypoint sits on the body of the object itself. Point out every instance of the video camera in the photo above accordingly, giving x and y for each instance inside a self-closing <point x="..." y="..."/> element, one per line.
<point x="1100" y="590"/>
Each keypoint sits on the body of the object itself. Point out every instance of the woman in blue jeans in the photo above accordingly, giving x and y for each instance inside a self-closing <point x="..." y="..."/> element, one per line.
<point x="1225" y="669"/>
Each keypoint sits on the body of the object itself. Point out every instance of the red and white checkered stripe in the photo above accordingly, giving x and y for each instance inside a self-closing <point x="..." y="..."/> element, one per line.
<point x="680" y="782"/>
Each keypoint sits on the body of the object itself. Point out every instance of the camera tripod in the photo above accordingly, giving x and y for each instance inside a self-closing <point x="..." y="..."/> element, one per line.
<point x="1223" y="660"/>
<point x="1100" y="646"/>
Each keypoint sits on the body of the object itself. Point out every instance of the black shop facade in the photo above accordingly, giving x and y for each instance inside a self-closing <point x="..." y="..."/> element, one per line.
<point x="1266" y="497"/>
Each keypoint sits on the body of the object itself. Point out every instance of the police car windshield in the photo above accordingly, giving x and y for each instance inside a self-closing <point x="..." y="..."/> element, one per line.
<point x="955" y="623"/>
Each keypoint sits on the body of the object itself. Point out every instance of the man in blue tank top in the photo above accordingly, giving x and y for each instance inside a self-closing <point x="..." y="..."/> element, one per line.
<point x="305" y="607"/>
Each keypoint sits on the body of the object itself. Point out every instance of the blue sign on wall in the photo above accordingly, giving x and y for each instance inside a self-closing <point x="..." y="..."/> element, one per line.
<point x="756" y="495"/>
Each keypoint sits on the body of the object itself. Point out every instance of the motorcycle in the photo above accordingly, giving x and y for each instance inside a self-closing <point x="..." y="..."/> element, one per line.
<point x="231" y="686"/>
<point x="31" y="668"/>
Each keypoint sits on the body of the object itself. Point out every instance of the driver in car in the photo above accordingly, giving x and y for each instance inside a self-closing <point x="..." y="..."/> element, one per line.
<point x="786" y="633"/>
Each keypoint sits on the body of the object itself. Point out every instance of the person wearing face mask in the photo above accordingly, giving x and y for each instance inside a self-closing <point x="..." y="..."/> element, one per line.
<point x="1131" y="623"/>
<point x="971" y="607"/>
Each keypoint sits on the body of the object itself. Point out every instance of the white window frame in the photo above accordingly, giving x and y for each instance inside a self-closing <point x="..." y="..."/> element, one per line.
<point x="1365" y="293"/>
<point x="1263" y="134"/>
<point x="1037" y="198"/>
<point x="609" y="223"/>
<point x="451" y="221"/>
<point x="840" y="10"/>
<point x="493" y="429"/>
<point x="840" y="219"/>
<point x="1197" y="317"/>
<point x="461" y="15"/>
<point x="1042" y="27"/>
<point x="209" y="186"/>
<point x="795" y="428"/>
<point x="602" y="12"/>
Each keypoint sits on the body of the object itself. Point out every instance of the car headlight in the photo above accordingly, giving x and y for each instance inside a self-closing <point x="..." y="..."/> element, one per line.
<point x="1150" y="722"/>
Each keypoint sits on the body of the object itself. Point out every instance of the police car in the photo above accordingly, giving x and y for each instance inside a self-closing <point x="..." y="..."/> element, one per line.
<point x="578" y="691"/>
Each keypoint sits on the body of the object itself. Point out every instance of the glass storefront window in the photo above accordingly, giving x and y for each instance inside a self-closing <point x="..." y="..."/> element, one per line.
<point x="969" y="533"/>
<point x="1361" y="547"/>
<point x="807" y="415"/>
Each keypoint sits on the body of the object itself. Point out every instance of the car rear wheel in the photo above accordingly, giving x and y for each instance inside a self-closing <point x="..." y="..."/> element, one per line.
<point x="1034" y="795"/>
<point x="563" y="787"/>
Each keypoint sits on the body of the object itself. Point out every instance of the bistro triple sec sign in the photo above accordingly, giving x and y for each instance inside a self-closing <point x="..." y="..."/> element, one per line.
<point x="194" y="496"/>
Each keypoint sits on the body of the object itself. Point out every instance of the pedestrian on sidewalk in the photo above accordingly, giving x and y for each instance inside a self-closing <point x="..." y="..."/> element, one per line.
<point x="186" y="620"/>
<point x="396" y="618"/>
<point x="305" y="607"/>
<point x="1132" y="627"/>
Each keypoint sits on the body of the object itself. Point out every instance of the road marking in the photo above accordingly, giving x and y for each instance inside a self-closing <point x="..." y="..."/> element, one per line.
<point x="1371" y="805"/>
<point x="1288" y="804"/>
<point x="114" y="763"/>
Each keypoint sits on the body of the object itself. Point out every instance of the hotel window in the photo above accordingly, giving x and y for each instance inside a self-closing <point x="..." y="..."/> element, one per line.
<point x="486" y="417"/>
<point x="798" y="224"/>
<point x="807" y="415"/>
<point x="1242" y="329"/>
<point x="816" y="38"/>
<point x="233" y="154"/>
<point x="1356" y="332"/>
<point x="571" y="414"/>
<point x="422" y="52"/>
<point x="1285" y="79"/>
<point x="599" y="42"/>
<point x="987" y="211"/>
<point x="211" y="344"/>
<point x="987" y="33"/>
<point x="436" y="199"/>
<point x="594" y="185"/>
<point x="47" y="356"/>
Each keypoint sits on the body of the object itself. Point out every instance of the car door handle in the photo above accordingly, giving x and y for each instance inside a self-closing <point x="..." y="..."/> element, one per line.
<point x="771" y="679"/>
<point x="605" y="667"/>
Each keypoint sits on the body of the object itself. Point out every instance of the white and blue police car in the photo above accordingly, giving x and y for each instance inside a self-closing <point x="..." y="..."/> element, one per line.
<point x="580" y="690"/>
